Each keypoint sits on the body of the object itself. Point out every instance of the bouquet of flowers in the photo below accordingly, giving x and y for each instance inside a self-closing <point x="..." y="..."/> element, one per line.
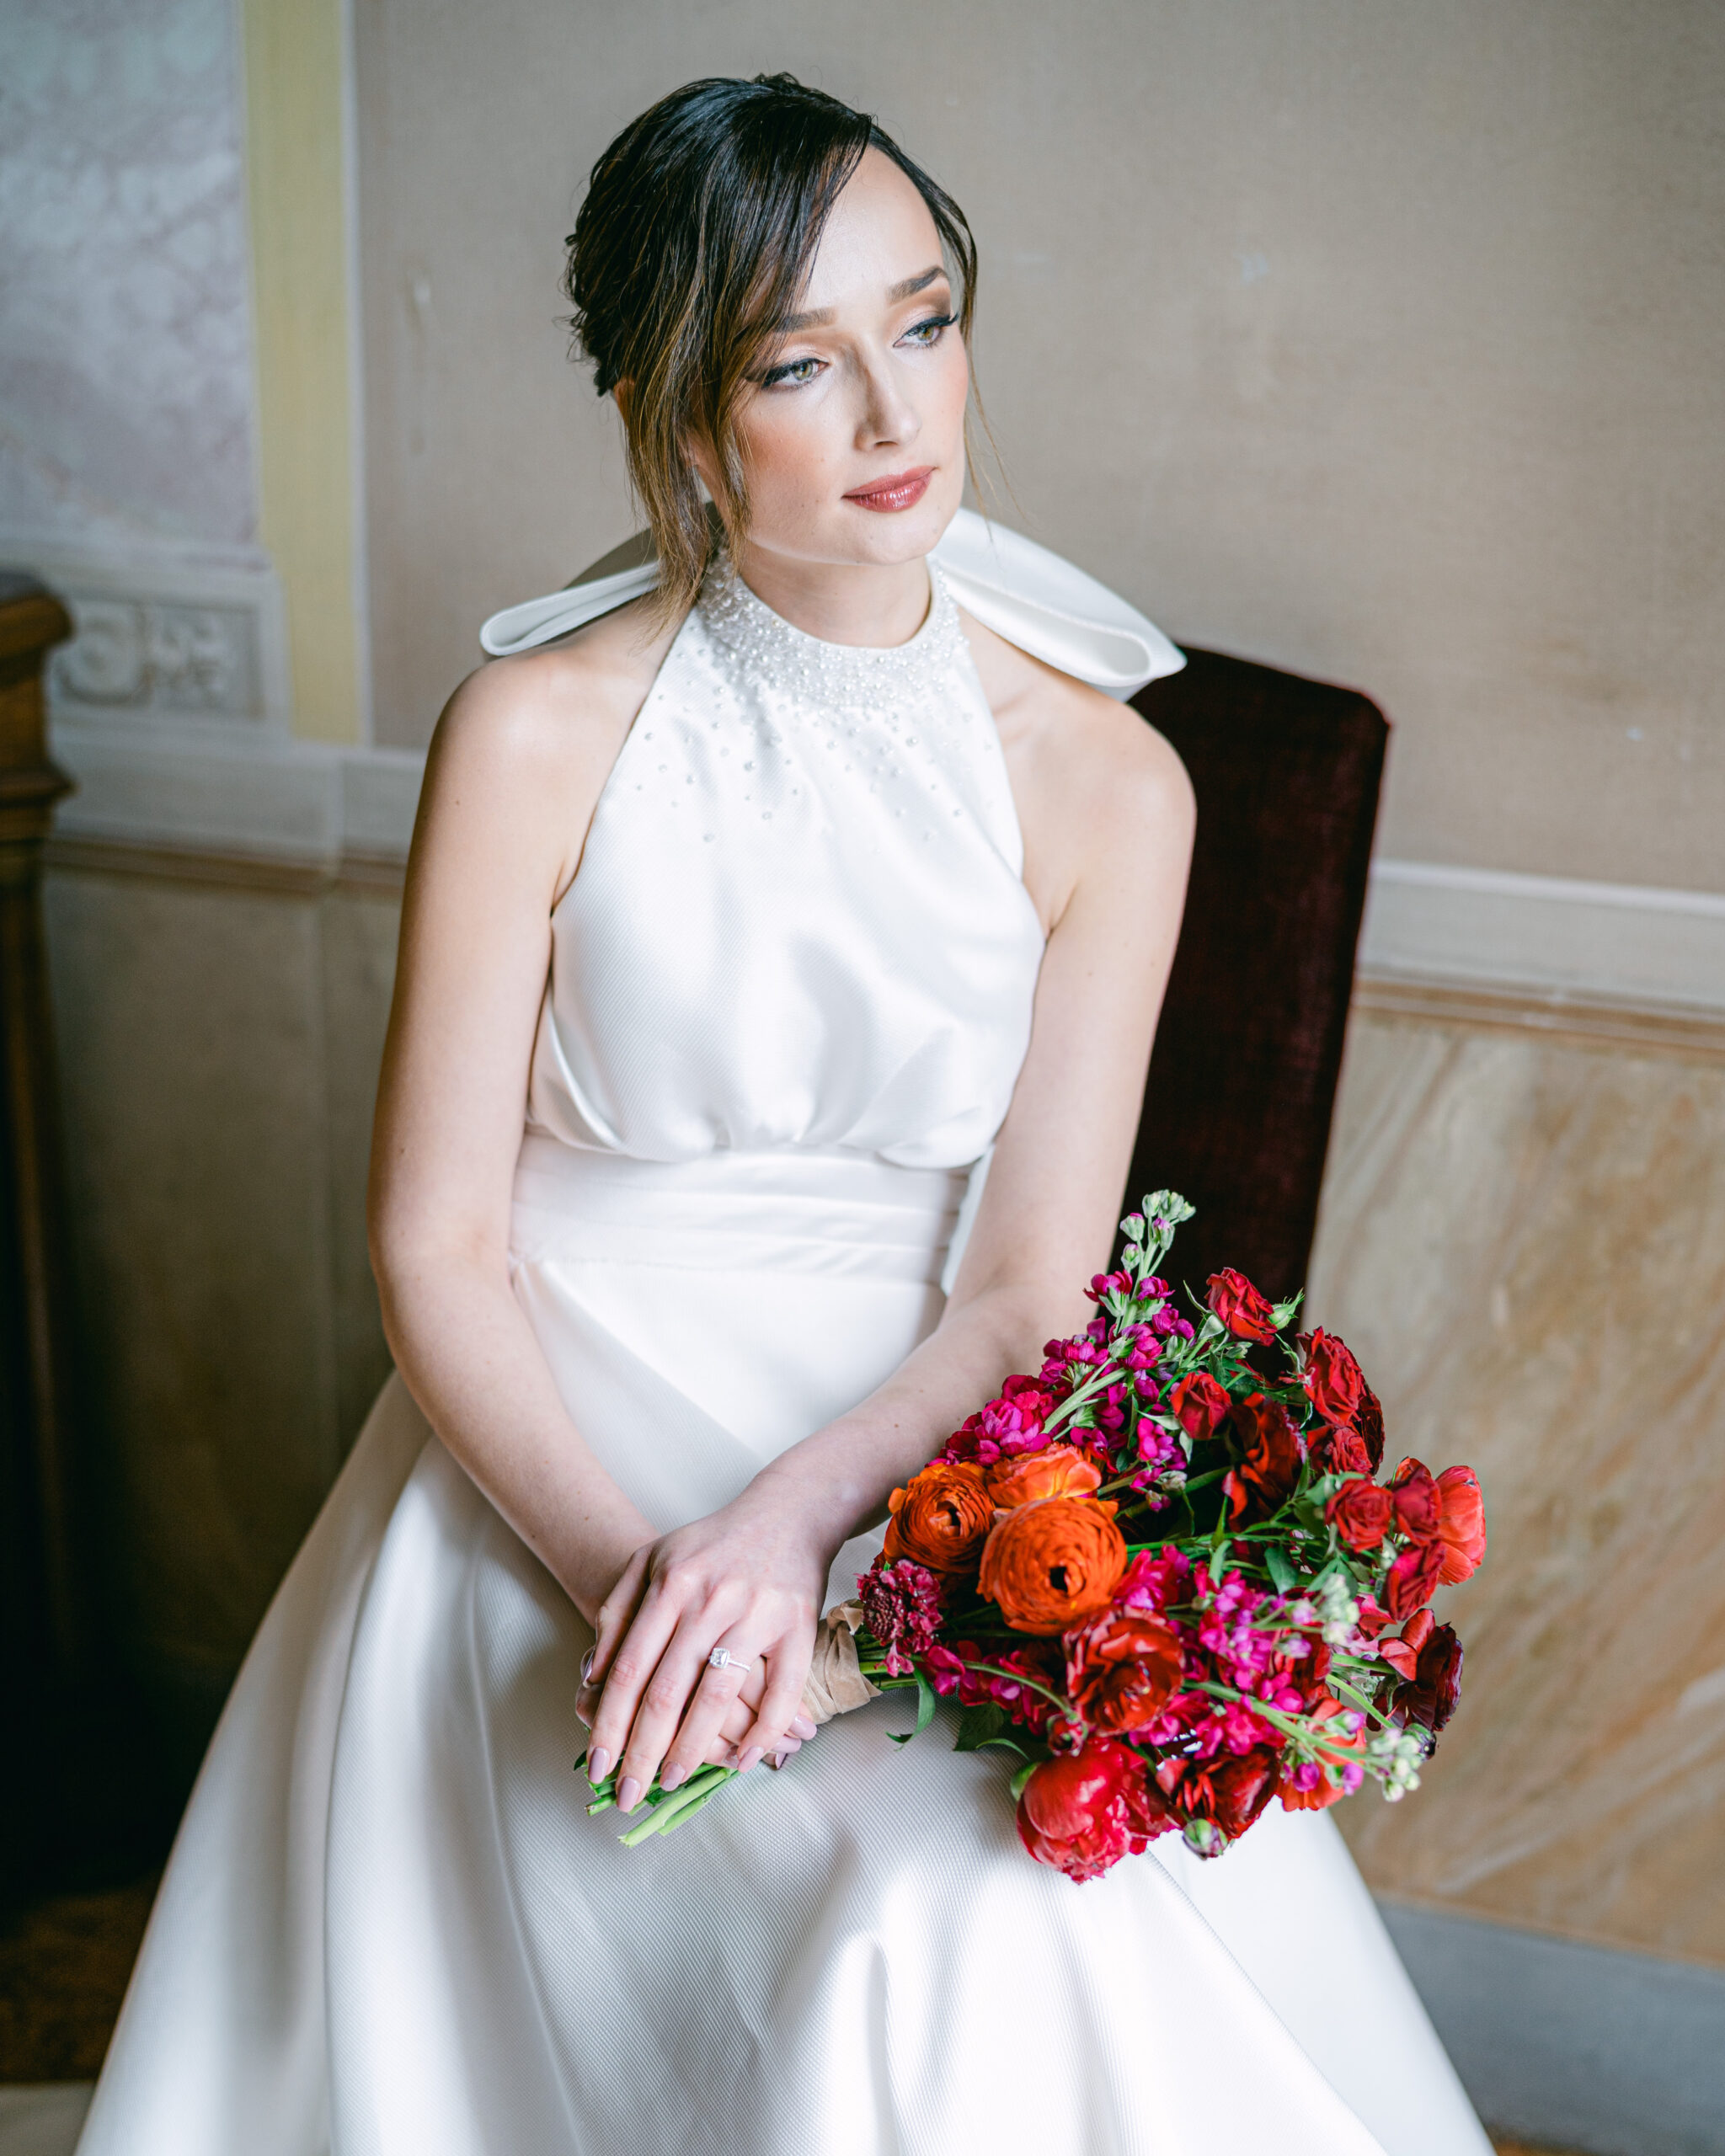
<point x="1163" y="1574"/>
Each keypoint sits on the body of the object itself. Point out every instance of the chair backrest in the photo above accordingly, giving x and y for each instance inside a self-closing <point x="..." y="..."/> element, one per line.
<point x="1242" y="1084"/>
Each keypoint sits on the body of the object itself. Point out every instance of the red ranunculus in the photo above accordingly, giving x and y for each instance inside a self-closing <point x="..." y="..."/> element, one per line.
<point x="1361" y="1514"/>
<point x="1270" y="1458"/>
<point x="1333" y="1380"/>
<point x="1413" y="1579"/>
<point x="1121" y="1669"/>
<point x="1229" y="1792"/>
<point x="1200" y="1405"/>
<point x="1461" y="1524"/>
<point x="1340" y="1451"/>
<point x="1240" y="1307"/>
<point x="1369" y="1422"/>
<point x="1430" y="1695"/>
<point x="1414" y="1492"/>
<point x="1082" y="1813"/>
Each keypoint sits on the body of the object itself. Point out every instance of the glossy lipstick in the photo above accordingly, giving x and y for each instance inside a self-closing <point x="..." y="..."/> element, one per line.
<point x="897" y="490"/>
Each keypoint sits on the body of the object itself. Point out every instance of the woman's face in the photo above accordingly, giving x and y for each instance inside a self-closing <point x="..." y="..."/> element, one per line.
<point x="852" y="430"/>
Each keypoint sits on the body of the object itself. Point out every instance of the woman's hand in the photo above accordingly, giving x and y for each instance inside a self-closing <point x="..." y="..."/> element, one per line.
<point x="749" y="1579"/>
<point x="726" y="1748"/>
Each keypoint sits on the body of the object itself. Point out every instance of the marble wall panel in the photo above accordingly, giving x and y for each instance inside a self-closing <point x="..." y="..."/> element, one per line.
<point x="126" y="353"/>
<point x="1524" y="1239"/>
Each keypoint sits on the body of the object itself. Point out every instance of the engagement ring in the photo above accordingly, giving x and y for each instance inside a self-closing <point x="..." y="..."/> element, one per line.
<point x="723" y="1658"/>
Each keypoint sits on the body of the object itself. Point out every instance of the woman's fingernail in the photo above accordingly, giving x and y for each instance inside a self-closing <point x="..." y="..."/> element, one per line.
<point x="587" y="1668"/>
<point x="751" y="1757"/>
<point x="673" y="1778"/>
<point x="628" y="1794"/>
<point x="776" y="1761"/>
<point x="802" y="1725"/>
<point x="598" y="1761"/>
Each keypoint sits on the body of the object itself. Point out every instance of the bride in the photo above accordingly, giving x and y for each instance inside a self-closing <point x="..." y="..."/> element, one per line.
<point x="779" y="897"/>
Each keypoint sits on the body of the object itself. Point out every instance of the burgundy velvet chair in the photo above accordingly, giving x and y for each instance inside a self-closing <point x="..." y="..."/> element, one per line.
<point x="1242" y="1084"/>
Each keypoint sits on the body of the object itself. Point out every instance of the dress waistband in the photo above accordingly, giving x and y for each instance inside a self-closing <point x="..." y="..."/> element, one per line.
<point x="847" y="1213"/>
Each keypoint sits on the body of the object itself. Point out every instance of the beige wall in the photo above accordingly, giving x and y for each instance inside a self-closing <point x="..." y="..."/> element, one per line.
<point x="1380" y="342"/>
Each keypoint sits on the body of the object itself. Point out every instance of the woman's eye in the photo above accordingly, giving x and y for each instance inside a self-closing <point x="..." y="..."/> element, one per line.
<point x="793" y="370"/>
<point x="928" y="333"/>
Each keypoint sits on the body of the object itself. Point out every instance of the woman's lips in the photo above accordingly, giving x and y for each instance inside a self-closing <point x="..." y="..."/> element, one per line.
<point x="897" y="490"/>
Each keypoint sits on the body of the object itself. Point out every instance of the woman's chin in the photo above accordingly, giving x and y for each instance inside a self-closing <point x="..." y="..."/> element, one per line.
<point x="884" y="538"/>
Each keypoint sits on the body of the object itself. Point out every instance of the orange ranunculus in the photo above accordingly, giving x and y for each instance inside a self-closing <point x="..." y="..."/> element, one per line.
<point x="1055" y="1471"/>
<point x="1461" y="1524"/>
<point x="1050" y="1564"/>
<point x="941" y="1518"/>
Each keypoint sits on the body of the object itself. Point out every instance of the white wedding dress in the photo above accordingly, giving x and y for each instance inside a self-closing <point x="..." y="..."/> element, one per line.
<point x="791" y="991"/>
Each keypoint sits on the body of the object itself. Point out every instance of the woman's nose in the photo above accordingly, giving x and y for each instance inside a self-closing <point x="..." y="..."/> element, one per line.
<point x="888" y="415"/>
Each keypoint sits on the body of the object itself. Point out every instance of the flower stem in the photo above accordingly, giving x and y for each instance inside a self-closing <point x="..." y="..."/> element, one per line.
<point x="1030" y="1684"/>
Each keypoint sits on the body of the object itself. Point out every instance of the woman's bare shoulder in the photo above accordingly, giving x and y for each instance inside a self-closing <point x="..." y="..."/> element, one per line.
<point x="562" y="704"/>
<point x="1074" y="752"/>
<point x="525" y="745"/>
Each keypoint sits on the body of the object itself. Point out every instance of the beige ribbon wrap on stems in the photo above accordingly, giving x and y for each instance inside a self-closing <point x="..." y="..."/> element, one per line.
<point x="835" y="1680"/>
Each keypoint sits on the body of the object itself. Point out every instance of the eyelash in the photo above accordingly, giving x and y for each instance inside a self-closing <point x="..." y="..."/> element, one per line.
<point x="939" y="323"/>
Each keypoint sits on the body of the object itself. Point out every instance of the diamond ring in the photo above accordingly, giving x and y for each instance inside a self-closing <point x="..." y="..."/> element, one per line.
<point x="723" y="1658"/>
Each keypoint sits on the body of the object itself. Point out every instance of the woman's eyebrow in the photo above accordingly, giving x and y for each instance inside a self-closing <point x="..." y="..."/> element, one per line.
<point x="902" y="290"/>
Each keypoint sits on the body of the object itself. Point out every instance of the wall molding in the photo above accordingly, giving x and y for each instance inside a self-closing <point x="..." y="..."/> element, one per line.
<point x="165" y="640"/>
<point x="1694" y="1034"/>
<point x="1571" y="2045"/>
<point x="1621" y="964"/>
<point x="1623" y="943"/>
<point x="283" y="801"/>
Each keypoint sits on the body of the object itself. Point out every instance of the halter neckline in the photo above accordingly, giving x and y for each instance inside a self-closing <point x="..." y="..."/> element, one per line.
<point x="741" y="620"/>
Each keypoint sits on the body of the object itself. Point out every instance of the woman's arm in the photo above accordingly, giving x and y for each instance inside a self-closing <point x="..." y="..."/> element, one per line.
<point x="1108" y="818"/>
<point x="514" y="770"/>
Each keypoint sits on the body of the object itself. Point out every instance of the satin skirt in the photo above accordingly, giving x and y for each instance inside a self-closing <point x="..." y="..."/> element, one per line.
<point x="389" y="1928"/>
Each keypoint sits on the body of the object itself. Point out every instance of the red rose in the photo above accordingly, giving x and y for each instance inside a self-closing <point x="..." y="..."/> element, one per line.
<point x="1340" y="1451"/>
<point x="1229" y="1792"/>
<point x="1269" y="1465"/>
<point x="1121" y="1669"/>
<point x="1200" y="1405"/>
<point x="1334" y="1383"/>
<point x="1369" y="1422"/>
<point x="1461" y="1524"/>
<point x="1360" y="1512"/>
<point x="1429" y="1696"/>
<point x="1082" y="1813"/>
<point x="1414" y="1494"/>
<point x="1413" y="1579"/>
<point x="1240" y="1307"/>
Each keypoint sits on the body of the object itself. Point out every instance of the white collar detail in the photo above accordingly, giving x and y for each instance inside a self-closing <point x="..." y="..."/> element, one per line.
<point x="1031" y="596"/>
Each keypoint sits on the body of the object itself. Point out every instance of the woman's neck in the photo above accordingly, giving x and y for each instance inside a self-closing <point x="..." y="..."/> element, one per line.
<point x="841" y="602"/>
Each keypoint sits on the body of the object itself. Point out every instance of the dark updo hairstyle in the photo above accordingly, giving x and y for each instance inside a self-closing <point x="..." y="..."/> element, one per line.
<point x="687" y="257"/>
